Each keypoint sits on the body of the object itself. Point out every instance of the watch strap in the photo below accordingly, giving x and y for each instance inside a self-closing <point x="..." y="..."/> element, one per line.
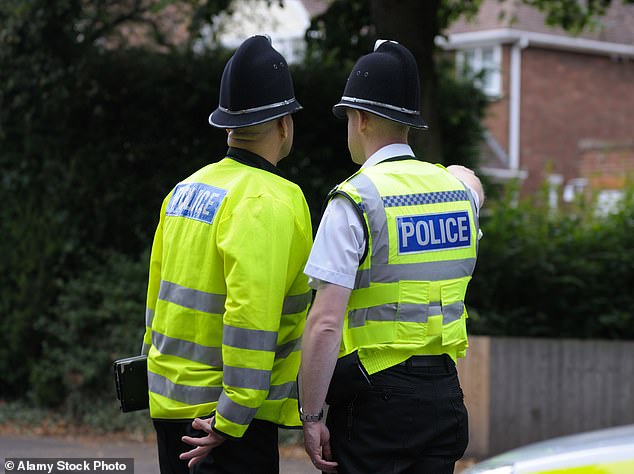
<point x="310" y="417"/>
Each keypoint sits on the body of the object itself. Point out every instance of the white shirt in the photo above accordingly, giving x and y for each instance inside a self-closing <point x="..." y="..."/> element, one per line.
<point x="340" y="240"/>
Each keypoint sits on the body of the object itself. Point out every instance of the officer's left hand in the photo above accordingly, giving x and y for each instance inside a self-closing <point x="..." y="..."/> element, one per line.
<point x="204" y="445"/>
<point x="317" y="445"/>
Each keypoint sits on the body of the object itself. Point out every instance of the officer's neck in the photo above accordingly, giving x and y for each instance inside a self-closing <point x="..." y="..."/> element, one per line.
<point x="268" y="155"/>
<point x="373" y="132"/>
<point x="262" y="148"/>
<point x="370" y="147"/>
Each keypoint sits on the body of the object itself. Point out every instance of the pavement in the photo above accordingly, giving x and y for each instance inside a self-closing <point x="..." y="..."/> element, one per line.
<point x="292" y="459"/>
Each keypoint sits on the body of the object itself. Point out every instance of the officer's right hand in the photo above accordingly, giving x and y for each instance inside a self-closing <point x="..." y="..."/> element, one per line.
<point x="203" y="446"/>
<point x="317" y="446"/>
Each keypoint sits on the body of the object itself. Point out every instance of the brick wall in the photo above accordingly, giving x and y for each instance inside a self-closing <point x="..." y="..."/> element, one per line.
<point x="606" y="165"/>
<point x="566" y="98"/>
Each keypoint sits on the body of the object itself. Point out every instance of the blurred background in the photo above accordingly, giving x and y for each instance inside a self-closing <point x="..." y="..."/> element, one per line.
<point x="103" y="109"/>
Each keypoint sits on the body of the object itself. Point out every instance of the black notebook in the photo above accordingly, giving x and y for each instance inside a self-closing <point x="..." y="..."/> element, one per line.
<point x="130" y="376"/>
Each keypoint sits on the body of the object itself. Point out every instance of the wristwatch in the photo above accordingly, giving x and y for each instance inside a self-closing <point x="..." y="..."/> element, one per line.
<point x="310" y="418"/>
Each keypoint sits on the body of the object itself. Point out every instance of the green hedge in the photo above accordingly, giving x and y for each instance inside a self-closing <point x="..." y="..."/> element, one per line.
<point x="84" y="173"/>
<point x="98" y="318"/>
<point x="543" y="273"/>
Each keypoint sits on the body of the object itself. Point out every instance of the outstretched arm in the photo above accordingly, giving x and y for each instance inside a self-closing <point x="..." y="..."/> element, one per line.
<point x="468" y="177"/>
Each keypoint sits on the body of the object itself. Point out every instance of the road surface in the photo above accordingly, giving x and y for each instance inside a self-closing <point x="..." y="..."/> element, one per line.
<point x="293" y="461"/>
<point x="292" y="458"/>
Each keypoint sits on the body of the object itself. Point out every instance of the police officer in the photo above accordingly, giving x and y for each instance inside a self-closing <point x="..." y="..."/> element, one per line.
<point x="391" y="261"/>
<point x="227" y="298"/>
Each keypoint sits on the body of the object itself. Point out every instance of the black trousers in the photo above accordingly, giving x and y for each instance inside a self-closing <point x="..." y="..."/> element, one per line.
<point x="411" y="420"/>
<point x="255" y="453"/>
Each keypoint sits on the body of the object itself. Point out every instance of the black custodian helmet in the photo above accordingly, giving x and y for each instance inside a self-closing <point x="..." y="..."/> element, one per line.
<point x="256" y="87"/>
<point x="384" y="82"/>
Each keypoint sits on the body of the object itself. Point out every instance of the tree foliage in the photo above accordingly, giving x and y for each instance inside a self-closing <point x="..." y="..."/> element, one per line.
<point x="572" y="15"/>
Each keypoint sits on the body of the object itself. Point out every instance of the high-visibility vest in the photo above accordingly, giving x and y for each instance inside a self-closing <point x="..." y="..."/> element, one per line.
<point x="422" y="235"/>
<point x="227" y="298"/>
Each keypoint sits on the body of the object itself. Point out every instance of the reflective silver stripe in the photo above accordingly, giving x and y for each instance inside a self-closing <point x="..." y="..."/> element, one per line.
<point x="254" y="339"/>
<point x="473" y="206"/>
<point x="476" y="219"/>
<point x="280" y="392"/>
<point x="358" y="317"/>
<point x="296" y="303"/>
<point x="434" y="309"/>
<point x="193" y="395"/>
<point x="428" y="271"/>
<point x="452" y="312"/>
<point x="377" y="219"/>
<point x="145" y="348"/>
<point x="233" y="412"/>
<point x="420" y="313"/>
<point x="188" y="394"/>
<point x="356" y="100"/>
<point x="149" y="317"/>
<point x="215" y="303"/>
<point x="193" y="299"/>
<point x="286" y="349"/>
<point x="206" y="354"/>
<point x="406" y="312"/>
<point x="257" y="109"/>
<point x="187" y="349"/>
<point x="240" y="377"/>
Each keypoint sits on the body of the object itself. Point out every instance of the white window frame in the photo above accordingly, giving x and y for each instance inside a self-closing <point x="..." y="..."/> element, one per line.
<point x="471" y="61"/>
<point x="609" y="201"/>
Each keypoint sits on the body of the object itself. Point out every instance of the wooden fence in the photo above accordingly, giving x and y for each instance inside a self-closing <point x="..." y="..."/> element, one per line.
<point x="521" y="390"/>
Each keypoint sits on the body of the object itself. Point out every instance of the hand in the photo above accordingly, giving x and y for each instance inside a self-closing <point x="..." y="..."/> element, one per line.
<point x="317" y="446"/>
<point x="204" y="445"/>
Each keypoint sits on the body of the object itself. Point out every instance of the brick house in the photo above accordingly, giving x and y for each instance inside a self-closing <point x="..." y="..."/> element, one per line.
<point x="561" y="106"/>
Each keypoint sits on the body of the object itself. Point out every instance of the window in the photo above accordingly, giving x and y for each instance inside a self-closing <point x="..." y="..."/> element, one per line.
<point x="483" y="66"/>
<point x="609" y="201"/>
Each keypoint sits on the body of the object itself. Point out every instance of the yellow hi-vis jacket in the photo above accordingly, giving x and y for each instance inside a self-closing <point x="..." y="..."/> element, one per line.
<point x="227" y="298"/>
<point x="422" y="235"/>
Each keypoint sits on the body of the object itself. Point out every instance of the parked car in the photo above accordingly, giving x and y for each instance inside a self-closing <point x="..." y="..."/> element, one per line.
<point x="608" y="451"/>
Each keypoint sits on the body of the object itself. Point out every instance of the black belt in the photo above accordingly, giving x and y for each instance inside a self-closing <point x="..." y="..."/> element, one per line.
<point x="429" y="361"/>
